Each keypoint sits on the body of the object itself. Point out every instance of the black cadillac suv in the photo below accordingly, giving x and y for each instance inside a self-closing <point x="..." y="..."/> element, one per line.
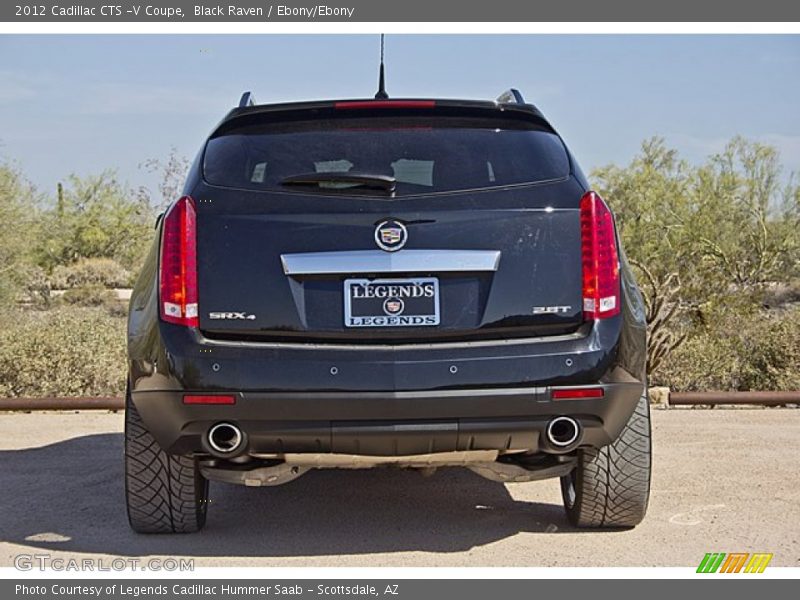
<point x="416" y="283"/>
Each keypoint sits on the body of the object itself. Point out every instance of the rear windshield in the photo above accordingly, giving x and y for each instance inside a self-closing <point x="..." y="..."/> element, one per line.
<point x="422" y="154"/>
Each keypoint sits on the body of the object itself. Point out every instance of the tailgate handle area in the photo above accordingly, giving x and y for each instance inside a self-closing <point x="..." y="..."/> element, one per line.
<point x="378" y="261"/>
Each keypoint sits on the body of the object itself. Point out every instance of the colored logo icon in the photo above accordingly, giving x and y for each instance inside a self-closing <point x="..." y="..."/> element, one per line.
<point x="391" y="235"/>
<point x="735" y="562"/>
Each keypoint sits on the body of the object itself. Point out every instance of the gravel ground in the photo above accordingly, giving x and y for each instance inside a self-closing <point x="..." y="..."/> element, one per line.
<point x="724" y="481"/>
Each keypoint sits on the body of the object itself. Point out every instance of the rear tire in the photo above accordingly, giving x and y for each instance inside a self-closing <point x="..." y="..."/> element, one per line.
<point x="164" y="493"/>
<point x="610" y="486"/>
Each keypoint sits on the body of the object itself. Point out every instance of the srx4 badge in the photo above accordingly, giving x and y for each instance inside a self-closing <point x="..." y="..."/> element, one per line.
<point x="231" y="316"/>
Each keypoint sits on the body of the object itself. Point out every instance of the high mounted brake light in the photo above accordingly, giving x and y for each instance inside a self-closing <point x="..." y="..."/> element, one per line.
<point x="601" y="294"/>
<point x="178" y="289"/>
<point x="362" y="104"/>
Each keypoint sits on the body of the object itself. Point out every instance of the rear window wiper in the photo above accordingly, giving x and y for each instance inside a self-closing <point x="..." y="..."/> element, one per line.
<point x="386" y="183"/>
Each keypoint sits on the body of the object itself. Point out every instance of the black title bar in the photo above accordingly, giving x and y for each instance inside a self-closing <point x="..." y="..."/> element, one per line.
<point x="461" y="11"/>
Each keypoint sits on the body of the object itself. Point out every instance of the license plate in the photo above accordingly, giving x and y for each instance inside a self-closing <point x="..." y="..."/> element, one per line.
<point x="391" y="302"/>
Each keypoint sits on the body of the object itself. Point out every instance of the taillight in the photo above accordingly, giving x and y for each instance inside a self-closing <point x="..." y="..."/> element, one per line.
<point x="600" y="259"/>
<point x="178" y="290"/>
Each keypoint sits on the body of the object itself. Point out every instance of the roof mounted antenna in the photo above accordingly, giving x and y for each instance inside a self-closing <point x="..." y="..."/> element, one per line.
<point x="381" y="94"/>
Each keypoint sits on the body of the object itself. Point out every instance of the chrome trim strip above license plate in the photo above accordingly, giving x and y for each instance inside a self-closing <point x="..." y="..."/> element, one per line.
<point x="377" y="261"/>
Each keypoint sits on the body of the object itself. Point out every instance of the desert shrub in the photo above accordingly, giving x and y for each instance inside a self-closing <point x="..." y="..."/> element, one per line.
<point x="117" y="308"/>
<point x="66" y="351"/>
<point x="699" y="235"/>
<point x="782" y="294"/>
<point x="94" y="296"/>
<point x="103" y="272"/>
<point x="35" y="288"/>
<point x="756" y="351"/>
<point x="774" y="354"/>
<point x="17" y="228"/>
<point x="94" y="217"/>
<point x="89" y="295"/>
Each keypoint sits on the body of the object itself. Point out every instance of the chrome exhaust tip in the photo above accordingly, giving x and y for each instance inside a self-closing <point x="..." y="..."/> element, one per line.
<point x="225" y="438"/>
<point x="563" y="432"/>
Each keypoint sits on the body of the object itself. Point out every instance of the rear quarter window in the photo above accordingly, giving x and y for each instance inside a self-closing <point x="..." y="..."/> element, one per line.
<point x="423" y="154"/>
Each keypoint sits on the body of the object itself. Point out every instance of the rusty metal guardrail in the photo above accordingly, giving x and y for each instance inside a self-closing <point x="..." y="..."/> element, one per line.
<point x="675" y="399"/>
<point x="735" y="398"/>
<point x="103" y="403"/>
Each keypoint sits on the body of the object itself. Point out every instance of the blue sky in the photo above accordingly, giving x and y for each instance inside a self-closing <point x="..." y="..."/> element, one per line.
<point x="84" y="103"/>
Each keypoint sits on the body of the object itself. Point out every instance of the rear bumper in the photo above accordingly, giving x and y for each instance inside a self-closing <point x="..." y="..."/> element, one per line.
<point x="179" y="358"/>
<point x="383" y="400"/>
<point x="396" y="423"/>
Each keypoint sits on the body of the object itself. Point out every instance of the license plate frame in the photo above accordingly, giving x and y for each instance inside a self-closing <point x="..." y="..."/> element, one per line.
<point x="388" y="305"/>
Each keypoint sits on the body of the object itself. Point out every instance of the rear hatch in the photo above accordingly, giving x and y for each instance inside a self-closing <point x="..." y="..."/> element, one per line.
<point x="364" y="226"/>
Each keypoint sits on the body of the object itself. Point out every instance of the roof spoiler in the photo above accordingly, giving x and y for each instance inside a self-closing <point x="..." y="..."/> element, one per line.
<point x="510" y="96"/>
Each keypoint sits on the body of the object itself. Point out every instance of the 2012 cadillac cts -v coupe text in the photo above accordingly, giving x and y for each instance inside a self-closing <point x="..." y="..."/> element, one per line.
<point x="362" y="283"/>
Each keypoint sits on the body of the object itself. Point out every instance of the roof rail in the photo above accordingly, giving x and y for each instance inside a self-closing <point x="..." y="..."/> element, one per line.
<point x="510" y="96"/>
<point x="246" y="100"/>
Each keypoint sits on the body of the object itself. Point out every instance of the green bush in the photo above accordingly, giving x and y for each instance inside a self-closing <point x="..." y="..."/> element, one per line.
<point x="90" y="295"/>
<point x="18" y="228"/>
<point x="757" y="351"/>
<point x="102" y="272"/>
<point x="95" y="296"/>
<point x="67" y="351"/>
<point x="94" y="217"/>
<point x="711" y="244"/>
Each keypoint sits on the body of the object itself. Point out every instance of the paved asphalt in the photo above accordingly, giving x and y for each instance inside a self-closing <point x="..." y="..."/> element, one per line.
<point x="724" y="481"/>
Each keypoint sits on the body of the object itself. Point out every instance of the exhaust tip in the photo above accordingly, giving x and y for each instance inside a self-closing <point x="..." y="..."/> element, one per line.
<point x="225" y="438"/>
<point x="563" y="431"/>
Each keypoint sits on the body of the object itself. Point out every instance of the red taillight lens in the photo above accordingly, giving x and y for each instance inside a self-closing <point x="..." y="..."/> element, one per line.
<point x="178" y="302"/>
<point x="208" y="399"/>
<point x="576" y="394"/>
<point x="600" y="259"/>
